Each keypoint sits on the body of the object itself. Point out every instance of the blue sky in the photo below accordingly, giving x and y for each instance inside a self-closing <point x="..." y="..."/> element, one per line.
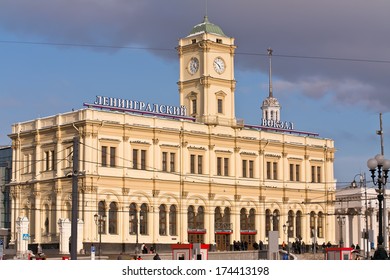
<point x="330" y="70"/>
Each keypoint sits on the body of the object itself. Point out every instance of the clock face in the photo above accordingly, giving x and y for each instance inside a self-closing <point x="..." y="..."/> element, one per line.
<point x="193" y="65"/>
<point x="219" y="65"/>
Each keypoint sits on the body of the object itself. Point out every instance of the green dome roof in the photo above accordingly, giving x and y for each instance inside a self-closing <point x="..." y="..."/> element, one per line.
<point x="206" y="27"/>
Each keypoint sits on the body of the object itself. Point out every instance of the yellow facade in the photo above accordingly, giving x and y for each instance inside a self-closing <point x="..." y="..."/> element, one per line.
<point x="39" y="193"/>
<point x="163" y="181"/>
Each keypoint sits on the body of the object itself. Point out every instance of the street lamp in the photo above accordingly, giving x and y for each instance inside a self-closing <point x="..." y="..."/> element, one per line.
<point x="100" y="221"/>
<point x="381" y="166"/>
<point x="286" y="229"/>
<point x="341" y="221"/>
<point x="388" y="231"/>
<point x="134" y="219"/>
<point x="362" y="181"/>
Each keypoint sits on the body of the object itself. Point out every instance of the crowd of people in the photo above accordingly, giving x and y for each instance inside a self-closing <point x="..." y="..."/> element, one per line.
<point x="244" y="246"/>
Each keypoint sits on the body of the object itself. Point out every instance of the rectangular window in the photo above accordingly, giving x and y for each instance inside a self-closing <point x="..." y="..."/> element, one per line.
<point x="192" y="164"/>
<point x="275" y="170"/>
<point x="318" y="174"/>
<point x="112" y="156"/>
<point x="244" y="163"/>
<point x="219" y="166"/>
<point x="200" y="164"/>
<point x="313" y="174"/>
<point x="47" y="160"/>
<point x="291" y="172"/>
<point x="164" y="161"/>
<point x="53" y="160"/>
<point x="226" y="167"/>
<point x="104" y="155"/>
<point x="172" y="162"/>
<point x="135" y="158"/>
<point x="219" y="41"/>
<point x="194" y="109"/>
<point x="108" y="156"/>
<point x="251" y="169"/>
<point x="297" y="172"/>
<point x="143" y="159"/>
<point x="268" y="170"/>
<point x="220" y="106"/>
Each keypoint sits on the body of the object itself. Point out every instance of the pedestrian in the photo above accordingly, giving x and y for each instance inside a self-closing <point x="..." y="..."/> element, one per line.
<point x="357" y="247"/>
<point x="156" y="257"/>
<point x="144" y="249"/>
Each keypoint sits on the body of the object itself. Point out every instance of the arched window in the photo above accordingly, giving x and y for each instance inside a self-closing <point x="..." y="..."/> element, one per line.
<point x="243" y="219"/>
<point x="217" y="218"/>
<point x="200" y="218"/>
<point x="163" y="220"/>
<point x="267" y="222"/>
<point x="191" y="217"/>
<point x="298" y="224"/>
<point x="102" y="212"/>
<point x="133" y="219"/>
<point x="172" y="220"/>
<point x="312" y="223"/>
<point x="320" y="225"/>
<point x="143" y="216"/>
<point x="275" y="220"/>
<point x="252" y="219"/>
<point x="113" y="218"/>
<point x="226" y="215"/>
<point x="290" y="220"/>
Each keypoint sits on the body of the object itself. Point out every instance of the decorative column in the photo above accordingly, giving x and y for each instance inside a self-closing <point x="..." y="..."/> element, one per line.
<point x="80" y="235"/>
<point x="65" y="232"/>
<point x="37" y="215"/>
<point x="22" y="236"/>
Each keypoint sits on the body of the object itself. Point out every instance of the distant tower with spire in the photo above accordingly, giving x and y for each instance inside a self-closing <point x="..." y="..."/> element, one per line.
<point x="270" y="107"/>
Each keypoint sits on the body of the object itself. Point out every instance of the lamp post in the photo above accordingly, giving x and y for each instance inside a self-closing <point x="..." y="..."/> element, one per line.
<point x="388" y="231"/>
<point x="341" y="222"/>
<point x="362" y="181"/>
<point x="379" y="168"/>
<point x="286" y="229"/>
<point x="134" y="219"/>
<point x="99" y="221"/>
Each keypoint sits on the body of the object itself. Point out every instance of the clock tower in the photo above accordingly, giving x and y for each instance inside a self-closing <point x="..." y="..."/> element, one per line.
<point x="206" y="82"/>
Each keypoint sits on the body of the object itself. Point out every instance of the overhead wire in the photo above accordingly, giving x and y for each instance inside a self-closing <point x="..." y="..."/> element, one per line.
<point x="80" y="45"/>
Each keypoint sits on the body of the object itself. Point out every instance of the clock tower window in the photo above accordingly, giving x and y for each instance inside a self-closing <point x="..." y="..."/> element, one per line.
<point x="193" y="103"/>
<point x="220" y="106"/>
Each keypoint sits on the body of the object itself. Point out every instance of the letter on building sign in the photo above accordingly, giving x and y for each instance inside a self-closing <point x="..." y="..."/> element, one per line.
<point x="98" y="100"/>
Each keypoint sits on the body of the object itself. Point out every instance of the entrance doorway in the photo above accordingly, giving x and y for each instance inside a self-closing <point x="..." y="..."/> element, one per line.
<point x="195" y="238"/>
<point x="249" y="238"/>
<point x="223" y="242"/>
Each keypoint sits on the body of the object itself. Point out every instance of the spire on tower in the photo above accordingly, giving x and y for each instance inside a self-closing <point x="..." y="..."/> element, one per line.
<point x="270" y="71"/>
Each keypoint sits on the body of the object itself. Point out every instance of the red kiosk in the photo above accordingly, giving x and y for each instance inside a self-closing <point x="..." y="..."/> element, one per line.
<point x="344" y="253"/>
<point x="193" y="251"/>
